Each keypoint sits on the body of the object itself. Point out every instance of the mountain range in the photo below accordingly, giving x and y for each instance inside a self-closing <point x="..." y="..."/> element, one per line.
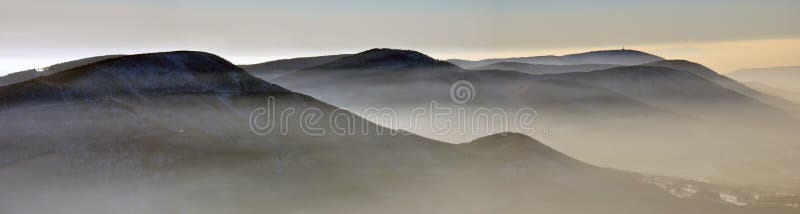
<point x="173" y="132"/>
<point x="675" y="112"/>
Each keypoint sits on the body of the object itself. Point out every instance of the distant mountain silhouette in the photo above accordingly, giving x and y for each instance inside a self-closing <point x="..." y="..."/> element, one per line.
<point x="383" y="59"/>
<point x="705" y="72"/>
<point x="420" y="77"/>
<point x="543" y="69"/>
<point x="273" y="69"/>
<point x="729" y="83"/>
<point x="613" y="57"/>
<point x="396" y="84"/>
<point x="616" y="57"/>
<point x="22" y="76"/>
<point x="371" y="63"/>
<point x="677" y="90"/>
<point x="140" y="75"/>
<point x="641" y="81"/>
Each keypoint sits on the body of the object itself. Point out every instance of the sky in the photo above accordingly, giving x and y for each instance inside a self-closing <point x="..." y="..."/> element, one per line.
<point x="722" y="34"/>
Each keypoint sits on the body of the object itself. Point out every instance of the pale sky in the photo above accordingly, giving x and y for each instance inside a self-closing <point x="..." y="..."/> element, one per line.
<point x="723" y="34"/>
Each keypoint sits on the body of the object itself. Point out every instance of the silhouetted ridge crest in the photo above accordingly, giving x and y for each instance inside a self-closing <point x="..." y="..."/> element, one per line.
<point x="606" y="57"/>
<point x="536" y="69"/>
<point x="516" y="146"/>
<point x="685" y="65"/>
<point x="678" y="90"/>
<point x="382" y="58"/>
<point x="23" y="76"/>
<point x="280" y="67"/>
<point x="622" y="57"/>
<point x="640" y="69"/>
<point x="142" y="75"/>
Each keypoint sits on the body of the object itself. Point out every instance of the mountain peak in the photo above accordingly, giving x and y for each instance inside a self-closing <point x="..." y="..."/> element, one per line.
<point x="175" y="67"/>
<point x="516" y="146"/>
<point x="385" y="59"/>
<point x="619" y="57"/>
<point x="506" y="138"/>
<point x="142" y="75"/>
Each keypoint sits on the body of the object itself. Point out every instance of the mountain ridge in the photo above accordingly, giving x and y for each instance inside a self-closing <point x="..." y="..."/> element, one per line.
<point x="616" y="57"/>
<point x="276" y="68"/>
<point x="537" y="69"/>
<point x="197" y="152"/>
<point x="22" y="76"/>
<point x="669" y="88"/>
<point x="383" y="58"/>
<point x="519" y="146"/>
<point x="162" y="73"/>
<point x="727" y="82"/>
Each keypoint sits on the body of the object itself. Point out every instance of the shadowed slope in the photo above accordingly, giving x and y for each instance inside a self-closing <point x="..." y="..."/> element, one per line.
<point x="728" y="83"/>
<point x="677" y="90"/>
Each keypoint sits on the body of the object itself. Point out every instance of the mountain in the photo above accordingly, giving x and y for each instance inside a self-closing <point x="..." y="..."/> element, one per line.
<point x="536" y="69"/>
<point x="711" y="119"/>
<point x="615" y="57"/>
<point x="611" y="57"/>
<point x="729" y="83"/>
<point x="677" y="90"/>
<point x="384" y="59"/>
<point x="190" y="132"/>
<point x="370" y="63"/>
<point x="21" y="76"/>
<point x="784" y="78"/>
<point x="139" y="76"/>
<point x="402" y="78"/>
<point x="707" y="73"/>
<point x="518" y="146"/>
<point x="273" y="69"/>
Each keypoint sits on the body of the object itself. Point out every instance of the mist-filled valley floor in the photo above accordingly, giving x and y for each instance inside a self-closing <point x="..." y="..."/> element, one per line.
<point x="394" y="131"/>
